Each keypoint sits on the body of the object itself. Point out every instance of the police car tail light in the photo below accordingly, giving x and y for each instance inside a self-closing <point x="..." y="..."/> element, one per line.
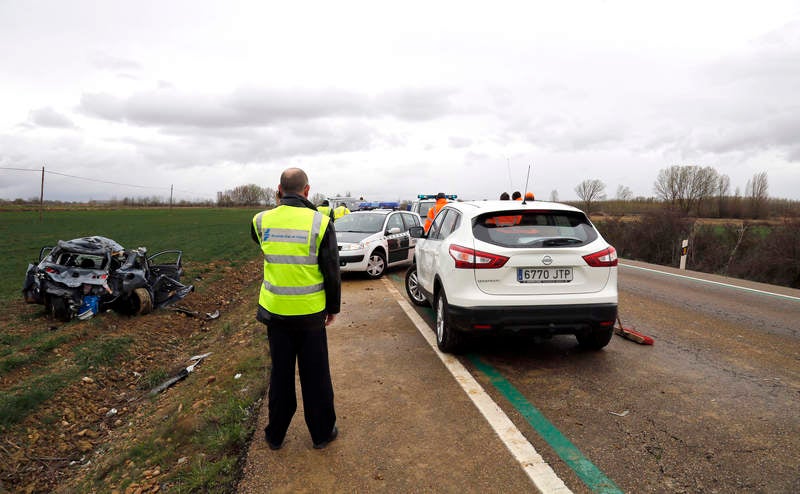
<point x="605" y="258"/>
<point x="467" y="258"/>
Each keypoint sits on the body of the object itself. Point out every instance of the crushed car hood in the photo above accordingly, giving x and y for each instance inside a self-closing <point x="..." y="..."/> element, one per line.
<point x="90" y="245"/>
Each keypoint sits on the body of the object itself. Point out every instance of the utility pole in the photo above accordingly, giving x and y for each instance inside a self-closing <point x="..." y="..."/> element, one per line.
<point x="41" y="196"/>
<point x="170" y="195"/>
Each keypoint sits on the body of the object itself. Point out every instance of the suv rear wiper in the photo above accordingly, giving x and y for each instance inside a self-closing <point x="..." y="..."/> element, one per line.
<point x="559" y="241"/>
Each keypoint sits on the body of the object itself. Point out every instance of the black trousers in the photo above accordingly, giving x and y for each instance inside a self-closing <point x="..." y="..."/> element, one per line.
<point x="304" y="341"/>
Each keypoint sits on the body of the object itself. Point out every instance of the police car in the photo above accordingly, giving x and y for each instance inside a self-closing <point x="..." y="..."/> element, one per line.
<point x="372" y="241"/>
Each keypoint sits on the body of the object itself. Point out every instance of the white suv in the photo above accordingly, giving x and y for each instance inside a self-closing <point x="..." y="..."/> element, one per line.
<point x="371" y="241"/>
<point x="538" y="267"/>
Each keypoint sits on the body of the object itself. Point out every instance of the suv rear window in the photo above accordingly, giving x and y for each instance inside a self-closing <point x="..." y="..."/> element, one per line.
<point x="534" y="229"/>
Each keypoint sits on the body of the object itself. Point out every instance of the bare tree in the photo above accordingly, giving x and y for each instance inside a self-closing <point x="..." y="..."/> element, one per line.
<point x="243" y="195"/>
<point x="270" y="196"/>
<point x="317" y="199"/>
<point x="686" y="187"/>
<point x="723" y="191"/>
<point x="624" y="193"/>
<point x="554" y="195"/>
<point x="757" y="194"/>
<point x="590" y="191"/>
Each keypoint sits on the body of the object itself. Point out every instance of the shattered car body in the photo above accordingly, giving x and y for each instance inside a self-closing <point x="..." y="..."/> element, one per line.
<point x="83" y="276"/>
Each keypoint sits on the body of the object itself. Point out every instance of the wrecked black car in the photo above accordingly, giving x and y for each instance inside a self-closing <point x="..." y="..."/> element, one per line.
<point x="84" y="276"/>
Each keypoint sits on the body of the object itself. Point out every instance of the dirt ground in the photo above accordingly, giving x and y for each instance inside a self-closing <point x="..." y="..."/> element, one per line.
<point x="102" y="406"/>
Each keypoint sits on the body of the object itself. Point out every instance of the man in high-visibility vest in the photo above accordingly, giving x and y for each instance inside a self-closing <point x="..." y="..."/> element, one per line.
<point x="441" y="200"/>
<point x="300" y="296"/>
<point x="326" y="209"/>
<point x="340" y="211"/>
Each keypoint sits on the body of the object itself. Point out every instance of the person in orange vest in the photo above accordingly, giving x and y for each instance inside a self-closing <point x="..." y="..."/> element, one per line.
<point x="516" y="196"/>
<point x="529" y="196"/>
<point x="441" y="200"/>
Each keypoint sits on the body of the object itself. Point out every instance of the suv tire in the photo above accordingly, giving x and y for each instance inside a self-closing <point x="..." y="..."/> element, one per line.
<point x="412" y="287"/>
<point x="596" y="338"/>
<point x="447" y="339"/>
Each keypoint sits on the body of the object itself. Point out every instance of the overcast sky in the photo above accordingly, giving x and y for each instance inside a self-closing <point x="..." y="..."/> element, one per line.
<point x="390" y="99"/>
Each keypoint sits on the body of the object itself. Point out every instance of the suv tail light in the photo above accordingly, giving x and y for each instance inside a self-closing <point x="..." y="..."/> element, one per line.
<point x="606" y="258"/>
<point x="467" y="258"/>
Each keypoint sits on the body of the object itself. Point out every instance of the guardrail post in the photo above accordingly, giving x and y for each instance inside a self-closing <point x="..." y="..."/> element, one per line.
<point x="684" y="251"/>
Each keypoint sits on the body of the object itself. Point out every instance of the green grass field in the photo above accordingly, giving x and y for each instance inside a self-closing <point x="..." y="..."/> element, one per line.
<point x="204" y="235"/>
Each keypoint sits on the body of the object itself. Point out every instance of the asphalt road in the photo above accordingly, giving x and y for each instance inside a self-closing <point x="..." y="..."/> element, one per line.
<point x="712" y="406"/>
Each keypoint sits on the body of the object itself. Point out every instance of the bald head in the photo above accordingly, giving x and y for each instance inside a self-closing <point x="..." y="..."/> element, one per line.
<point x="294" y="181"/>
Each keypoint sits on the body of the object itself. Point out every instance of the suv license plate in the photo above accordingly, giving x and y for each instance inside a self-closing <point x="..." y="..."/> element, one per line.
<point x="544" y="275"/>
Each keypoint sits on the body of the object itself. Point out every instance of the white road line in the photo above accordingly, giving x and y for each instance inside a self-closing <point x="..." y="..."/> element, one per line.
<point x="762" y="292"/>
<point x="540" y="473"/>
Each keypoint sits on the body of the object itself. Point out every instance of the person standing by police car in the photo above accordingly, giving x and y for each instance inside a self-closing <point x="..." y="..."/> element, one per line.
<point x="300" y="296"/>
<point x="441" y="200"/>
<point x="326" y="209"/>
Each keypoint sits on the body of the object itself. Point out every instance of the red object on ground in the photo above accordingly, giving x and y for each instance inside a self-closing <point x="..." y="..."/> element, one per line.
<point x="632" y="334"/>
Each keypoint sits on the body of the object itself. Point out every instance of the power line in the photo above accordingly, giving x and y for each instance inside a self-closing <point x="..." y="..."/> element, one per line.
<point x="21" y="169"/>
<point x="89" y="179"/>
<point x="105" y="181"/>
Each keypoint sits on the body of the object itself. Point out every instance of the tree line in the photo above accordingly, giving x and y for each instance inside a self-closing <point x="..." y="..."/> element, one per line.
<point x="693" y="190"/>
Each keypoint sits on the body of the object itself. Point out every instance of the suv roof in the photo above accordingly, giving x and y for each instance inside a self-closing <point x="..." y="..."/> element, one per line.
<point x="497" y="205"/>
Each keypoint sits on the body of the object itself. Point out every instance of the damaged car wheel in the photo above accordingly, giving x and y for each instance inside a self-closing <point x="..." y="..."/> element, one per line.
<point x="141" y="301"/>
<point x="59" y="309"/>
<point x="138" y="303"/>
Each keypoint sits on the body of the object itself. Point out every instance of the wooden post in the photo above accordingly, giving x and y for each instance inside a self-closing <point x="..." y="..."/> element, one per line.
<point x="41" y="197"/>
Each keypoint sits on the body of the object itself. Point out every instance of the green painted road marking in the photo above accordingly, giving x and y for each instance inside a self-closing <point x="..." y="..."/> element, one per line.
<point x="585" y="469"/>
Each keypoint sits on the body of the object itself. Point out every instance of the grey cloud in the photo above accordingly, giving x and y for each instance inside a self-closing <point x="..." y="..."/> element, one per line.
<point x="460" y="142"/>
<point x="416" y="104"/>
<point x="190" y="147"/>
<point x="169" y="107"/>
<point x="756" y="105"/>
<point x="48" y="117"/>
<point x="105" y="61"/>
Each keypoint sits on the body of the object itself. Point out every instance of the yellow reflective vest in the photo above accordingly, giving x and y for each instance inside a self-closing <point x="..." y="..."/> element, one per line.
<point x="339" y="212"/>
<point x="326" y="210"/>
<point x="290" y="238"/>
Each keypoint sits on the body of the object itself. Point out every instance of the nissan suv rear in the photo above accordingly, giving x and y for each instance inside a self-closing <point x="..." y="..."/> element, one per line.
<point x="537" y="267"/>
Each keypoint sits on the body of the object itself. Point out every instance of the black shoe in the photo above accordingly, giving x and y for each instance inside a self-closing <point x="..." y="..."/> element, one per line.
<point x="331" y="438"/>
<point x="273" y="446"/>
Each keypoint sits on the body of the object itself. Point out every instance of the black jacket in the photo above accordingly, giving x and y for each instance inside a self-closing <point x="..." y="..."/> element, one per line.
<point x="328" y="259"/>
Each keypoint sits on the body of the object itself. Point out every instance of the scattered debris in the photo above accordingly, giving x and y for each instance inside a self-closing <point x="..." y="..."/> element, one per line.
<point x="620" y="414"/>
<point x="181" y="375"/>
<point x="208" y="316"/>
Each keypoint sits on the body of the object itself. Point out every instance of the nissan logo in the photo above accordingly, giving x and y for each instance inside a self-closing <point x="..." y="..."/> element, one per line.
<point x="547" y="260"/>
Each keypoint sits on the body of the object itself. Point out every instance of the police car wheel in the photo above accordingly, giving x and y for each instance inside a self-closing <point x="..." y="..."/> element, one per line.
<point x="376" y="264"/>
